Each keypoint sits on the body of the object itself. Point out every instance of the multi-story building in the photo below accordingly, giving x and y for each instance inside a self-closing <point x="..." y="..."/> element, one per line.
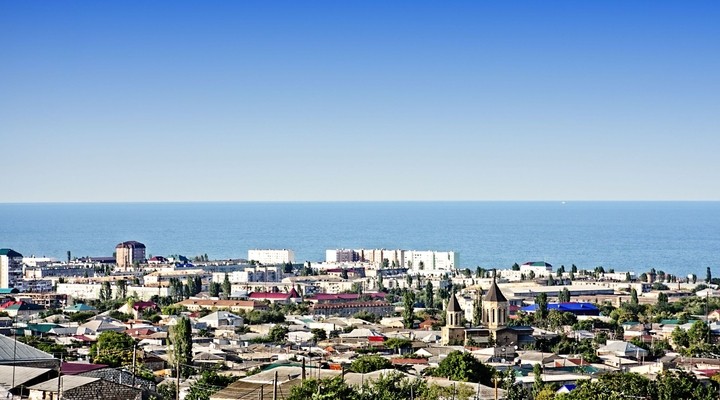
<point x="11" y="267"/>
<point x="128" y="253"/>
<point x="272" y="257"/>
<point x="423" y="262"/>
<point x="380" y="308"/>
<point x="91" y="291"/>
<point x="256" y="273"/>
<point x="341" y="255"/>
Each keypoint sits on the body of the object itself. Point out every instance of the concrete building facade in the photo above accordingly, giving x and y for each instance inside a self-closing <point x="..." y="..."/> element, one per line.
<point x="128" y="253"/>
<point x="11" y="267"/>
<point x="272" y="257"/>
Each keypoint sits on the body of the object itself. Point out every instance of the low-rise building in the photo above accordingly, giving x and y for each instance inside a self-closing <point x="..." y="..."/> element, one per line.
<point x="193" y="304"/>
<point x="380" y="308"/>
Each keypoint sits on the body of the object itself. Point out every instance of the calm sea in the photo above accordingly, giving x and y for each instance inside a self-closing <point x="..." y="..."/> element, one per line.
<point x="677" y="237"/>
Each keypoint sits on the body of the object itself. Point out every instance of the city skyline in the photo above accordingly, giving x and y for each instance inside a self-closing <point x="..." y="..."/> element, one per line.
<point x="114" y="102"/>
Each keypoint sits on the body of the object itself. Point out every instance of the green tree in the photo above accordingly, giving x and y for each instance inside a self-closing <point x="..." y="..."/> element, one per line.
<point x="366" y="316"/>
<point x="226" y="287"/>
<point x="210" y="382"/>
<point x="397" y="344"/>
<point x="214" y="289"/>
<point x="538" y="383"/>
<point x="278" y="333"/>
<point x="105" y="292"/>
<point x="318" y="334"/>
<point x="708" y="275"/>
<point x="181" y="339"/>
<point x="515" y="267"/>
<point x="461" y="366"/>
<point x="512" y="391"/>
<point x="190" y="283"/>
<point x="564" y="296"/>
<point x="478" y="309"/>
<point x="121" y="289"/>
<point x="680" y="338"/>
<point x="699" y="333"/>
<point x="113" y="349"/>
<point x="370" y="363"/>
<point x="429" y="295"/>
<point x="408" y="308"/>
<point x="541" y="312"/>
<point x="322" y="389"/>
<point x="634" y="298"/>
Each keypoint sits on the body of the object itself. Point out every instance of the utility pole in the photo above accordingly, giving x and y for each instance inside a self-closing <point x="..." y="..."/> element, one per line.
<point x="134" y="362"/>
<point x="177" y="378"/>
<point x="275" y="386"/>
<point x="261" y="392"/>
<point x="303" y="370"/>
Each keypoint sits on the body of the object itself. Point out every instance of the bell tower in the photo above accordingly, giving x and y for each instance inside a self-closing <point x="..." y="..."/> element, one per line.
<point x="495" y="308"/>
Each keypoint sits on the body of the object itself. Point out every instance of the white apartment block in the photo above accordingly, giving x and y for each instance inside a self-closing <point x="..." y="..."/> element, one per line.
<point x="272" y="257"/>
<point x="258" y="273"/>
<point x="91" y="291"/>
<point x="157" y="277"/>
<point x="431" y="262"/>
<point x="11" y="267"/>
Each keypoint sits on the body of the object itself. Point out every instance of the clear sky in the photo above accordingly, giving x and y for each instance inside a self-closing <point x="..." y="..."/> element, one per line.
<point x="340" y="100"/>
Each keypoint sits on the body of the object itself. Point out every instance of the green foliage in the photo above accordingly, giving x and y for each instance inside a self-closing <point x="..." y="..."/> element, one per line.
<point x="557" y="319"/>
<point x="408" y="308"/>
<point x="397" y="343"/>
<point x="81" y="317"/>
<point x="278" y="333"/>
<point x="366" y="316"/>
<point x="564" y="296"/>
<point x="461" y="366"/>
<point x="121" y="316"/>
<point x="46" y="345"/>
<point x="430" y="295"/>
<point x="180" y="336"/>
<point x="256" y="317"/>
<point x="210" y="382"/>
<point x="670" y="385"/>
<point x="541" y="312"/>
<point x="365" y="364"/>
<point x="322" y="389"/>
<point x="318" y="334"/>
<point x="113" y="349"/>
<point x="226" y="287"/>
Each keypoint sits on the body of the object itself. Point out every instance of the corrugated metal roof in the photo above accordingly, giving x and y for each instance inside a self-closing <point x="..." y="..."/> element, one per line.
<point x="21" y="375"/>
<point x="11" y="350"/>
<point x="68" y="382"/>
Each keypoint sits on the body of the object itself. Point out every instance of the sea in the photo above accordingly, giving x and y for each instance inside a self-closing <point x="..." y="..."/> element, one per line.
<point x="677" y="237"/>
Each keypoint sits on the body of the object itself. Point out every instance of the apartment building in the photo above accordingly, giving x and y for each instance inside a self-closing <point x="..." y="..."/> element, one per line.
<point x="11" y="267"/>
<point x="128" y="253"/>
<point x="272" y="257"/>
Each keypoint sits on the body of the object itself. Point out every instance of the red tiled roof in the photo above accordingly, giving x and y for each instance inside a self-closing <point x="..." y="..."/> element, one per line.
<point x="141" y="305"/>
<point x="268" y="295"/>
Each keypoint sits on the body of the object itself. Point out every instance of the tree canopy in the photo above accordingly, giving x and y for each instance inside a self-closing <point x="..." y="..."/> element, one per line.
<point x="462" y="366"/>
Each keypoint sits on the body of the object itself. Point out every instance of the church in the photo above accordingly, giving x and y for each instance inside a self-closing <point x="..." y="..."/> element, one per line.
<point x="494" y="329"/>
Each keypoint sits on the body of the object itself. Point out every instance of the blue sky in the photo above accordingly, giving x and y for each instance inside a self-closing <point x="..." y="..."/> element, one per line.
<point x="186" y="101"/>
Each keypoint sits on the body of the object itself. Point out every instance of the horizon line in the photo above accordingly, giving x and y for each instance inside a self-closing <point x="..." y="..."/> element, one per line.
<point x="361" y="201"/>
